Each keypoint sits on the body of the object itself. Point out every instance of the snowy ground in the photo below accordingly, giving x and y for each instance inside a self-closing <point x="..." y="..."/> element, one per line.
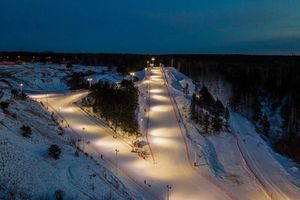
<point x="26" y="168"/>
<point x="241" y="159"/>
<point x="228" y="165"/>
<point x="42" y="78"/>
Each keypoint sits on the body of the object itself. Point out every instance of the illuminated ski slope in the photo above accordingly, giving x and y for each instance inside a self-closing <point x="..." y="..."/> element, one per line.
<point x="171" y="164"/>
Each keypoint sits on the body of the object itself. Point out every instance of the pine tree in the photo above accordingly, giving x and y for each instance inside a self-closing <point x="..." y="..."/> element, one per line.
<point x="26" y="131"/>
<point x="219" y="107"/>
<point x="217" y="122"/>
<point x="54" y="151"/>
<point x="205" y="100"/>
<point x="256" y="110"/>
<point x="192" y="107"/>
<point x="265" y="125"/>
<point x="206" y="123"/>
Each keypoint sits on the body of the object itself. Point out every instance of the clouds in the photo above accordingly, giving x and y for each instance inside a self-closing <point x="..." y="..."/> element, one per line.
<point x="149" y="26"/>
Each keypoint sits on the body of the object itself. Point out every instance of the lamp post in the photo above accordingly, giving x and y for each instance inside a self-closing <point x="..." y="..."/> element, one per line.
<point x="153" y="61"/>
<point x="168" y="191"/>
<point x="21" y="87"/>
<point x="90" y="82"/>
<point x="195" y="160"/>
<point x="132" y="75"/>
<point x="117" y="151"/>
<point x="83" y="129"/>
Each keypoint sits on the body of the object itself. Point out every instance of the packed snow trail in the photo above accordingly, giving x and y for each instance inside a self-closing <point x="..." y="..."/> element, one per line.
<point x="266" y="169"/>
<point x="289" y="191"/>
<point x="171" y="164"/>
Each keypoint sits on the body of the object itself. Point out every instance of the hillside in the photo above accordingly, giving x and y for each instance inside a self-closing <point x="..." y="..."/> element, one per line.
<point x="27" y="171"/>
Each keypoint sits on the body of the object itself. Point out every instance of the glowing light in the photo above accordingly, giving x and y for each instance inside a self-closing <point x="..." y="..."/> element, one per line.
<point x="156" y="91"/>
<point x="159" y="97"/>
<point x="161" y="108"/>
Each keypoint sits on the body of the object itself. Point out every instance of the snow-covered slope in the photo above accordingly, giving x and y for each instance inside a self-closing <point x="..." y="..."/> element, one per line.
<point x="42" y="78"/>
<point x="243" y="169"/>
<point x="26" y="170"/>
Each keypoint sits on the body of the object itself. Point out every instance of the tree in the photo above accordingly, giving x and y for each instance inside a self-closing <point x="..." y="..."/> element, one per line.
<point x="192" y="107"/>
<point x="14" y="92"/>
<point x="219" y="107"/>
<point x="117" y="104"/>
<point x="186" y="89"/>
<point x="256" y="109"/>
<point x="4" y="105"/>
<point x="205" y="99"/>
<point x="265" y="125"/>
<point x="59" y="194"/>
<point x="54" y="151"/>
<point x="26" y="131"/>
<point x="206" y="123"/>
<point x="77" y="81"/>
<point x="217" y="122"/>
<point x="69" y="65"/>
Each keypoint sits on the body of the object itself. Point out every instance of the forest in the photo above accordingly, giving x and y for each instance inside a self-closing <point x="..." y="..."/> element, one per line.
<point x="255" y="82"/>
<point x="117" y="104"/>
<point x="209" y="113"/>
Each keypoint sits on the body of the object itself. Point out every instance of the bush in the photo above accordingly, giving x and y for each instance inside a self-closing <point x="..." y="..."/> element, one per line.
<point x="69" y="65"/>
<point x="4" y="105"/>
<point x="77" y="81"/>
<point x="289" y="147"/>
<point x="54" y="151"/>
<point x="14" y="92"/>
<point x="59" y="194"/>
<point x="26" y="131"/>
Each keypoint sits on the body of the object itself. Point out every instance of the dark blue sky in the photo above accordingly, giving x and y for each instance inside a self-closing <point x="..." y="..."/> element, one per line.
<point x="151" y="26"/>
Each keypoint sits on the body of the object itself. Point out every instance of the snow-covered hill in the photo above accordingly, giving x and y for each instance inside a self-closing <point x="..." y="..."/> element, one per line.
<point x="42" y="78"/>
<point x="242" y="168"/>
<point x="26" y="169"/>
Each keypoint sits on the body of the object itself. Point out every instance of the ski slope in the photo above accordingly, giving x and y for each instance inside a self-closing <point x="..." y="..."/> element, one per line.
<point x="271" y="175"/>
<point x="171" y="154"/>
<point x="247" y="158"/>
<point x="171" y="166"/>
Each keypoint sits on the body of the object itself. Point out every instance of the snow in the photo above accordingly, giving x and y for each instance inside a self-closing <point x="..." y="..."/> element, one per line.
<point x="280" y="182"/>
<point x="226" y="161"/>
<point x="25" y="167"/>
<point x="237" y="164"/>
<point x="42" y="78"/>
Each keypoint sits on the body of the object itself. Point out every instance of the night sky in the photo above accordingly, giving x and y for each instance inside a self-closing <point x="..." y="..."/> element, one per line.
<point x="151" y="26"/>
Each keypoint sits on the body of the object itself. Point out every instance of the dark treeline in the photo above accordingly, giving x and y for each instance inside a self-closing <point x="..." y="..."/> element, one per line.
<point x="209" y="113"/>
<point x="117" y="104"/>
<point x="256" y="79"/>
<point x="253" y="79"/>
<point x="123" y="62"/>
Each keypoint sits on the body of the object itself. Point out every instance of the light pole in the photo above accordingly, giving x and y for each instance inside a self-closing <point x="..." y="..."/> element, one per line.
<point x="153" y="61"/>
<point x="90" y="82"/>
<point x="168" y="191"/>
<point x="21" y="87"/>
<point x="117" y="151"/>
<point x="83" y="129"/>
<point x="132" y="75"/>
